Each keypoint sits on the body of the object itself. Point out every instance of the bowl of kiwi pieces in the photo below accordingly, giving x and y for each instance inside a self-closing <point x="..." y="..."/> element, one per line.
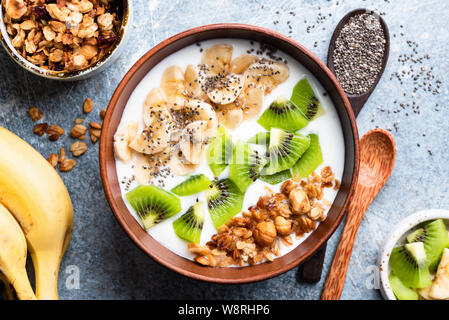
<point x="226" y="187"/>
<point x="414" y="262"/>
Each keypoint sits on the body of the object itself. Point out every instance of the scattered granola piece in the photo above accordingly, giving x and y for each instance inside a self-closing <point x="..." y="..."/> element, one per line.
<point x="78" y="148"/>
<point x="61" y="155"/>
<point x="35" y="113"/>
<point x="79" y="121"/>
<point x="88" y="105"/>
<point x="54" y="132"/>
<point x="95" y="125"/>
<point x="53" y="159"/>
<point x="78" y="131"/>
<point x="40" y="129"/>
<point x="102" y="114"/>
<point x="67" y="165"/>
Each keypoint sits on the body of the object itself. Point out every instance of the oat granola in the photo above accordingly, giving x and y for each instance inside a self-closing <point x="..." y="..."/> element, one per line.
<point x="255" y="236"/>
<point x="63" y="35"/>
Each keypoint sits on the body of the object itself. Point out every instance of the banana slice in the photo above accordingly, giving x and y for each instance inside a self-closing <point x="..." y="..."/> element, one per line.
<point x="224" y="89"/>
<point x="146" y="167"/>
<point x="193" y="83"/>
<point x="155" y="107"/>
<point x="193" y="141"/>
<point x="124" y="135"/>
<point x="267" y="73"/>
<point x="230" y="115"/>
<point x="153" y="139"/>
<point x="240" y="64"/>
<point x="178" y="164"/>
<point x="198" y="110"/>
<point x="440" y="287"/>
<point x="218" y="58"/>
<point x="172" y="84"/>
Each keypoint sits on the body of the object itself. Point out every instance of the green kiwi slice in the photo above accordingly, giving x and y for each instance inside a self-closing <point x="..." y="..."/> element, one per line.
<point x="224" y="200"/>
<point x="190" y="225"/>
<point x="277" y="177"/>
<point x="246" y="165"/>
<point x="261" y="138"/>
<point x="284" y="150"/>
<point x="284" y="115"/>
<point x="192" y="185"/>
<point x="153" y="204"/>
<point x="311" y="159"/>
<point x="400" y="290"/>
<point x="219" y="152"/>
<point x="435" y="238"/>
<point x="409" y="263"/>
<point x="305" y="99"/>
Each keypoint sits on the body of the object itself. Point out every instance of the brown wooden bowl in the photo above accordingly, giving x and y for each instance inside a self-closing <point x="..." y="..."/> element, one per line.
<point x="156" y="250"/>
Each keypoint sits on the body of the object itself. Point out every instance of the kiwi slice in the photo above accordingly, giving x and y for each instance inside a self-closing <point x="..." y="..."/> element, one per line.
<point x="246" y="165"/>
<point x="192" y="185"/>
<point x="284" y="150"/>
<point x="284" y="115"/>
<point x="277" y="177"/>
<point x="262" y="138"/>
<point x="219" y="152"/>
<point x="435" y="238"/>
<point x="224" y="200"/>
<point x="189" y="226"/>
<point x="153" y="204"/>
<point x="311" y="159"/>
<point x="305" y="99"/>
<point x="410" y="264"/>
<point x="400" y="290"/>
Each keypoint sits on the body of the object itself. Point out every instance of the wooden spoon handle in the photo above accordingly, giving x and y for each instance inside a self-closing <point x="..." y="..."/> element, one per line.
<point x="337" y="274"/>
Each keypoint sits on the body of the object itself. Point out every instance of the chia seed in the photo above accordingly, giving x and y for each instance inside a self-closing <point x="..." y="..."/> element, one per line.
<point x="358" y="54"/>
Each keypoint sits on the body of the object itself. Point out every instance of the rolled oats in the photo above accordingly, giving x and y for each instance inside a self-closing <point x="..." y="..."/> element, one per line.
<point x="78" y="131"/>
<point x="67" y="165"/>
<point x="84" y="30"/>
<point x="78" y="148"/>
<point x="35" y="113"/>
<point x="61" y="155"/>
<point x="40" y="129"/>
<point x="102" y="114"/>
<point x="53" y="159"/>
<point x="54" y="132"/>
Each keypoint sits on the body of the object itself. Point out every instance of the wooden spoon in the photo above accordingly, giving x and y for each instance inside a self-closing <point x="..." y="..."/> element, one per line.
<point x="310" y="271"/>
<point x="377" y="155"/>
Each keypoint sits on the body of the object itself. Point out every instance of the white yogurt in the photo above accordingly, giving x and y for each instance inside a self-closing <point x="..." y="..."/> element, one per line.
<point x="327" y="127"/>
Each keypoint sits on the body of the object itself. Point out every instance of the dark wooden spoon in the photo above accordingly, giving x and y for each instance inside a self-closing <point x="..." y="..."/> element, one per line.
<point x="310" y="271"/>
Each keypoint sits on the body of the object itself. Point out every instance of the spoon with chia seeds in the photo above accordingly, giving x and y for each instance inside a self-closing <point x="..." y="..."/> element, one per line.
<point x="358" y="54"/>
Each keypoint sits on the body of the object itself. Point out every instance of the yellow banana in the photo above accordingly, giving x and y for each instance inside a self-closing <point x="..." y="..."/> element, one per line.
<point x="36" y="196"/>
<point x="13" y="255"/>
<point x="6" y="291"/>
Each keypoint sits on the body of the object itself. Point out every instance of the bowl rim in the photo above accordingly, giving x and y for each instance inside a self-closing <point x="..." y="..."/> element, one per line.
<point x="106" y="145"/>
<point x="393" y="237"/>
<point x="75" y="75"/>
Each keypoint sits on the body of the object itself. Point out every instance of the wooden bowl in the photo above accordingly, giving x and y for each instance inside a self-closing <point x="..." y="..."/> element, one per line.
<point x="156" y="250"/>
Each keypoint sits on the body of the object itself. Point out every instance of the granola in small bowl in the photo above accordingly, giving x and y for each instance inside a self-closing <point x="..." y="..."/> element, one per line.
<point x="62" y="38"/>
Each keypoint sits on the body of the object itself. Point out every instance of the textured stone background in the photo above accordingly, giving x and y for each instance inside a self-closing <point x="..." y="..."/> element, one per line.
<point x="111" y="267"/>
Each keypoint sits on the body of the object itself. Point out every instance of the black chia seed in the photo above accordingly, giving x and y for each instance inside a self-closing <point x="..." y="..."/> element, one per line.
<point x="358" y="53"/>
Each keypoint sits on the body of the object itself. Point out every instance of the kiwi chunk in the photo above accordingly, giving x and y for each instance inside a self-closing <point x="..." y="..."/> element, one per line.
<point x="192" y="185"/>
<point x="311" y="159"/>
<point x="400" y="290"/>
<point x="262" y="138"/>
<point x="284" y="115"/>
<point x="190" y="225"/>
<point x="284" y="150"/>
<point x="153" y="204"/>
<point x="277" y="177"/>
<point x="305" y="99"/>
<point x="224" y="200"/>
<point x="219" y="152"/>
<point x="435" y="238"/>
<point x="410" y="264"/>
<point x="246" y="165"/>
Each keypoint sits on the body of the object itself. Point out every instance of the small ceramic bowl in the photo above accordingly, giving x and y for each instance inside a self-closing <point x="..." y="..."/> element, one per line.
<point x="159" y="252"/>
<point x="94" y="69"/>
<point x="396" y="236"/>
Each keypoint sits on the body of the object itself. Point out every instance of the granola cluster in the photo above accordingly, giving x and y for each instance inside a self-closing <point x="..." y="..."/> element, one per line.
<point x="62" y="35"/>
<point x="255" y="237"/>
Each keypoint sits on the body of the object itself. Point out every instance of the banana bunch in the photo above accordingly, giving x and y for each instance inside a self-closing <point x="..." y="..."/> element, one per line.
<point x="32" y="192"/>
